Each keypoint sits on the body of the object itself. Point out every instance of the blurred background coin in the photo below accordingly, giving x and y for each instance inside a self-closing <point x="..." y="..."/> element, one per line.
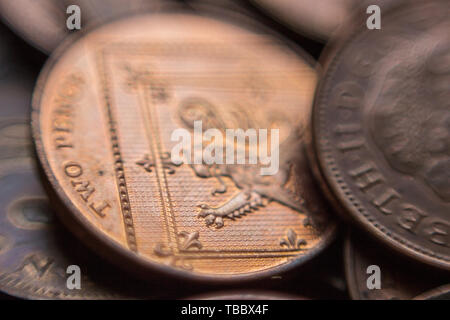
<point x="246" y="295"/>
<point x="381" y="128"/>
<point x="401" y="278"/>
<point x="15" y="137"/>
<point x="35" y="250"/>
<point x="318" y="19"/>
<point x="43" y="22"/>
<point x="440" y="293"/>
<point x="104" y="113"/>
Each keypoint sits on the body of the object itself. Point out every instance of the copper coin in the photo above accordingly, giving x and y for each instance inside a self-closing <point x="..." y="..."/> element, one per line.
<point x="104" y="113"/>
<point x="43" y="22"/>
<point x="440" y="293"/>
<point x="381" y="128"/>
<point x="400" y="278"/>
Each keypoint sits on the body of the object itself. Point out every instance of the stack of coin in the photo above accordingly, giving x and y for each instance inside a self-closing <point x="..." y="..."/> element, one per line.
<point x="358" y="138"/>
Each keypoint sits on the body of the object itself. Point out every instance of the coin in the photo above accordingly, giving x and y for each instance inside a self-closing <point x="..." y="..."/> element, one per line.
<point x="35" y="250"/>
<point x="317" y="18"/>
<point x="43" y="22"/>
<point x="400" y="278"/>
<point x="381" y="128"/>
<point x="440" y="293"/>
<point x="104" y="114"/>
<point x="246" y="295"/>
<point x="15" y="138"/>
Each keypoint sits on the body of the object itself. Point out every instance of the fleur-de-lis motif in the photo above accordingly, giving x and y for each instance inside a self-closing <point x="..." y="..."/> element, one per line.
<point x="291" y="241"/>
<point x="190" y="240"/>
<point x="167" y="163"/>
<point x="162" y="251"/>
<point x="141" y="75"/>
<point x="145" y="75"/>
<point x="148" y="164"/>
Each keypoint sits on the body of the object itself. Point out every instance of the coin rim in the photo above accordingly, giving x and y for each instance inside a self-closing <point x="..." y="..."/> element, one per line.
<point x="298" y="27"/>
<point x="349" y="269"/>
<point x="431" y="294"/>
<point x="246" y="294"/>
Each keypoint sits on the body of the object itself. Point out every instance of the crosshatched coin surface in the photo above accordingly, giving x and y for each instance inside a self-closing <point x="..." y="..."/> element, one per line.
<point x="381" y="129"/>
<point x="43" y="22"/>
<point x="105" y="111"/>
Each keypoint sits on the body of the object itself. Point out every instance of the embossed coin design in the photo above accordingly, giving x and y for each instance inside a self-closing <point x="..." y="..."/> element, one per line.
<point x="381" y="128"/>
<point x="104" y="113"/>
